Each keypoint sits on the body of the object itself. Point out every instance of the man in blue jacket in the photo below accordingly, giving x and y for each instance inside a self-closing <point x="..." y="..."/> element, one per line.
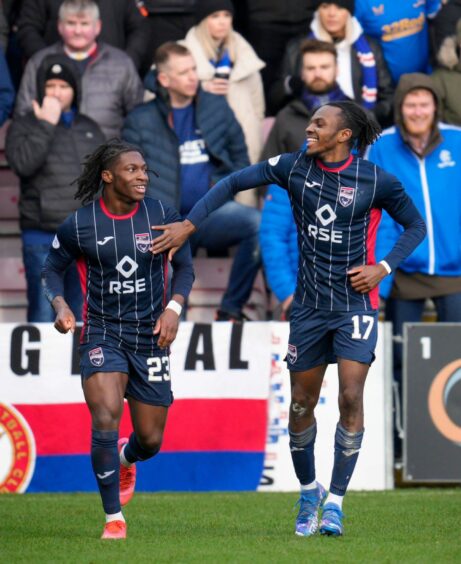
<point x="426" y="156"/>
<point x="193" y="140"/>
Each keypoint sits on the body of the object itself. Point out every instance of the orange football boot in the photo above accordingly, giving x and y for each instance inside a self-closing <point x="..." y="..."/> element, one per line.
<point x="127" y="477"/>
<point x="114" y="530"/>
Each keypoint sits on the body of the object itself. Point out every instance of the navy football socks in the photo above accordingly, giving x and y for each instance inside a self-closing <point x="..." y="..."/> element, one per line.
<point x="302" y="454"/>
<point x="106" y="468"/>
<point x="347" y="448"/>
<point x="134" y="452"/>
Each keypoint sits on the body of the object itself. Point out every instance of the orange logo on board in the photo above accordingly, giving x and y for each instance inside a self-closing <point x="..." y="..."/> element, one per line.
<point x="17" y="451"/>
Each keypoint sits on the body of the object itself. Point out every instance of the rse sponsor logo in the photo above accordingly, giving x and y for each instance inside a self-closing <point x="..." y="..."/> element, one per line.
<point x="324" y="234"/>
<point x="127" y="286"/>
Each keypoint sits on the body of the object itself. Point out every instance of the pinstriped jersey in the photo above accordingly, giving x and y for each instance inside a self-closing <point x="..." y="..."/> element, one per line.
<point x="124" y="284"/>
<point x="337" y="212"/>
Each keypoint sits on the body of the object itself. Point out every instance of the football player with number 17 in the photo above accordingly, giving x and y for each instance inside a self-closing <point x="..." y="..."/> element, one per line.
<point x="336" y="198"/>
<point x="128" y="327"/>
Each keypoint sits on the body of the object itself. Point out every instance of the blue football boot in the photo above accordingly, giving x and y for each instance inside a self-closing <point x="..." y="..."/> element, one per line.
<point x="307" y="521"/>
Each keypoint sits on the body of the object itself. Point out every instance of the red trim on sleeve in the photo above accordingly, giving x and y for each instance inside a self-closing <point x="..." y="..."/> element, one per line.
<point x="82" y="275"/>
<point x="112" y="216"/>
<point x="323" y="166"/>
<point x="375" y="218"/>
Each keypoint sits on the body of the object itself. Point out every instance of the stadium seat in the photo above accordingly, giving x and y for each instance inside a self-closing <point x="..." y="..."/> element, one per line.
<point x="13" y="301"/>
<point x="211" y="277"/>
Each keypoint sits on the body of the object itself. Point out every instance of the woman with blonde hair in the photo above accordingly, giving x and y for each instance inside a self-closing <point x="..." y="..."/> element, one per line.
<point x="228" y="66"/>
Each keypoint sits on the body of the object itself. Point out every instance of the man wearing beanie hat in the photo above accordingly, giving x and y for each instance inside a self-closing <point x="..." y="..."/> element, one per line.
<point x="45" y="148"/>
<point x="363" y="74"/>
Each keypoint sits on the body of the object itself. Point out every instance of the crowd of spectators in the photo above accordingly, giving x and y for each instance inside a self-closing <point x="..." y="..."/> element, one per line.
<point x="197" y="109"/>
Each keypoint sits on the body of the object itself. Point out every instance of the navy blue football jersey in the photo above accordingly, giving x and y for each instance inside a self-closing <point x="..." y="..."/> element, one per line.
<point x="124" y="284"/>
<point x="337" y="212"/>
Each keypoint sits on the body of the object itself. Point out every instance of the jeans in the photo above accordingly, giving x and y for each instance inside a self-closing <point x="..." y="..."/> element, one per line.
<point x="233" y="224"/>
<point x="39" y="308"/>
<point x="410" y="311"/>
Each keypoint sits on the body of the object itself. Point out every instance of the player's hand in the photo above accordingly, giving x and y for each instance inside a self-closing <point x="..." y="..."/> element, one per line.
<point x="167" y="328"/>
<point x="49" y="111"/>
<point x="364" y="278"/>
<point x="174" y="235"/>
<point x="65" y="321"/>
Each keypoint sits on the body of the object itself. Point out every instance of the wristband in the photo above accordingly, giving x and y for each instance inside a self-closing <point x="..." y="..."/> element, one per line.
<point x="174" y="306"/>
<point x="386" y="266"/>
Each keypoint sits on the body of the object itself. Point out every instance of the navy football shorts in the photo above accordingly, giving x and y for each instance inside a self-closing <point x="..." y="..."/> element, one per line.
<point x="148" y="376"/>
<point x="321" y="337"/>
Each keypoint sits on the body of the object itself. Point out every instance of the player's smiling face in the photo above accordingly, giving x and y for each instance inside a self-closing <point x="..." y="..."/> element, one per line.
<point x="325" y="132"/>
<point x="129" y="177"/>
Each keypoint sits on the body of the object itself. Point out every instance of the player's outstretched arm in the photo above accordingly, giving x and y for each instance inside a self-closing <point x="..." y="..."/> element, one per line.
<point x="167" y="324"/>
<point x="174" y="236"/>
<point x="65" y="319"/>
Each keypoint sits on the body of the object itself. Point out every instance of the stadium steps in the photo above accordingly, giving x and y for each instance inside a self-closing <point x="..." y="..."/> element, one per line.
<point x="211" y="277"/>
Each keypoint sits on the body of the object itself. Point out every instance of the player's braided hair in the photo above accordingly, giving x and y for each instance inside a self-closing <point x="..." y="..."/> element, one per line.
<point x="365" y="129"/>
<point x="89" y="182"/>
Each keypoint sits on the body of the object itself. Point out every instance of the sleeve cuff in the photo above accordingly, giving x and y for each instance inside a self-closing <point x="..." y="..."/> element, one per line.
<point x="386" y="266"/>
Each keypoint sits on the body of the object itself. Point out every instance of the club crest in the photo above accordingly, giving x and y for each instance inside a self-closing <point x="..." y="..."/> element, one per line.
<point x="96" y="356"/>
<point x="142" y="242"/>
<point x="292" y="353"/>
<point x="346" y="196"/>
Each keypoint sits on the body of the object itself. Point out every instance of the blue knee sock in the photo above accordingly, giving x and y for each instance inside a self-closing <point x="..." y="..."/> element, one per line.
<point x="106" y="468"/>
<point x="134" y="452"/>
<point x="347" y="448"/>
<point x="302" y="454"/>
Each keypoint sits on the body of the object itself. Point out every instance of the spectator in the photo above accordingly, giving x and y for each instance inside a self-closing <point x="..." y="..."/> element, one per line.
<point x="268" y="26"/>
<point x="444" y="25"/>
<point x="6" y="90"/>
<point x="111" y="87"/>
<point x="426" y="157"/>
<point x="167" y="20"/>
<point x="402" y="31"/>
<point x="363" y="75"/>
<point x="192" y="139"/>
<point x="227" y="65"/>
<point x="122" y="26"/>
<point x="319" y="70"/>
<point x="279" y="249"/>
<point x="447" y="78"/>
<point x="45" y="148"/>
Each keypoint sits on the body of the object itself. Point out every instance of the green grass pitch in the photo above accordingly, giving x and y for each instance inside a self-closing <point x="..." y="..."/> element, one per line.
<point x="406" y="525"/>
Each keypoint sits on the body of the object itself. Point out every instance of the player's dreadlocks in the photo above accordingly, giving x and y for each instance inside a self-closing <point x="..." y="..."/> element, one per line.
<point x="365" y="129"/>
<point x="89" y="182"/>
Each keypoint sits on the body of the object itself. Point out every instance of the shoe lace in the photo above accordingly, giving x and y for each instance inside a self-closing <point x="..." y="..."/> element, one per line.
<point x="307" y="506"/>
<point x="115" y="526"/>
<point x="332" y="513"/>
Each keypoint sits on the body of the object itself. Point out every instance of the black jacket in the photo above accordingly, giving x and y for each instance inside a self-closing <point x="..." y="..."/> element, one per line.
<point x="122" y="26"/>
<point x="47" y="158"/>
<point x="288" y="132"/>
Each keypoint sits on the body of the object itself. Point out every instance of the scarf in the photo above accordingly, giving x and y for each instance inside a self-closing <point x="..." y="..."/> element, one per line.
<point x="313" y="101"/>
<point x="367" y="63"/>
<point x="222" y="63"/>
